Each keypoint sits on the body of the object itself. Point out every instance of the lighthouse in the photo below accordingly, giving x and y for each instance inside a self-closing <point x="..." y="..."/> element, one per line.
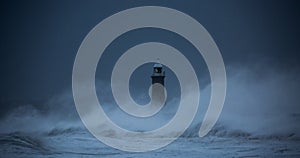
<point x="158" y="83"/>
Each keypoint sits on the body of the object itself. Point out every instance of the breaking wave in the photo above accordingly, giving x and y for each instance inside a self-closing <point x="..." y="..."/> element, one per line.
<point x="29" y="120"/>
<point x="252" y="111"/>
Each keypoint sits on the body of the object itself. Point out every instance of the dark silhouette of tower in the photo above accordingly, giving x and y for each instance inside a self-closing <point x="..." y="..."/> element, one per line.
<point x="158" y="76"/>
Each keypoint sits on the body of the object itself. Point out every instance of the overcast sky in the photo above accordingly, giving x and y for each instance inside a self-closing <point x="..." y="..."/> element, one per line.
<point x="39" y="40"/>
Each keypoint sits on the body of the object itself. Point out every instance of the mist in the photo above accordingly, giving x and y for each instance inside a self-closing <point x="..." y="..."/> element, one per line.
<point x="262" y="101"/>
<point x="259" y="103"/>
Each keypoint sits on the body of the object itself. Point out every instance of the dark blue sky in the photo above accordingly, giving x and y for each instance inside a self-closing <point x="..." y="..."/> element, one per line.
<point x="39" y="39"/>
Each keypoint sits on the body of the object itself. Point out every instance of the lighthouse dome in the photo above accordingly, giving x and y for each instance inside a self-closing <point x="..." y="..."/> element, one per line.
<point x="157" y="65"/>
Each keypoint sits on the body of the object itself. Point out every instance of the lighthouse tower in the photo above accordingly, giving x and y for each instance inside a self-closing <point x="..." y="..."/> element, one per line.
<point x="158" y="76"/>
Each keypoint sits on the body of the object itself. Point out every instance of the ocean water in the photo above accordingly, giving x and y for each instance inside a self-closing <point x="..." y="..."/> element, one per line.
<point x="78" y="142"/>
